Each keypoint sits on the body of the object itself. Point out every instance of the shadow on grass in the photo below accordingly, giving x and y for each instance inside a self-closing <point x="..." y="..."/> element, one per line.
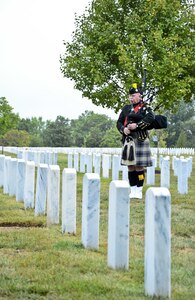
<point x="21" y="224"/>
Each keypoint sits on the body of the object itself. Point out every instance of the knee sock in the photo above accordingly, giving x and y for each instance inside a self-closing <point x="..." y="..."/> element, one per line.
<point x="132" y="176"/>
<point x="140" y="178"/>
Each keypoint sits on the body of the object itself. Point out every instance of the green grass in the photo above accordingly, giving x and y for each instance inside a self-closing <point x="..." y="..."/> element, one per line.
<point x="39" y="262"/>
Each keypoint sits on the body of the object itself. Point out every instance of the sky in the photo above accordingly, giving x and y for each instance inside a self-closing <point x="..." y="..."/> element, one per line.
<point x="31" y="41"/>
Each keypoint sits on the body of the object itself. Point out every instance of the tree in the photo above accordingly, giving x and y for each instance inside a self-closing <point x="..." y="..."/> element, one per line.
<point x="180" y="121"/>
<point x="89" y="129"/>
<point x="115" y="40"/>
<point x="32" y="125"/>
<point x="181" y="142"/>
<point x="57" y="133"/>
<point x="8" y="119"/>
<point x="111" y="138"/>
<point x="158" y="138"/>
<point x="35" y="127"/>
<point x="189" y="130"/>
<point x="16" y="138"/>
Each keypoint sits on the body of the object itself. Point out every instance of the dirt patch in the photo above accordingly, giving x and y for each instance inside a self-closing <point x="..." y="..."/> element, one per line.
<point x="157" y="171"/>
<point x="9" y="226"/>
<point x="188" y="250"/>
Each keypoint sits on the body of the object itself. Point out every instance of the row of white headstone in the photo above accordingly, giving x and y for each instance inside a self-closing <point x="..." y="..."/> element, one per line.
<point x="66" y="150"/>
<point x="39" y="157"/>
<point x="157" y="261"/>
<point x="47" y="196"/>
<point x="182" y="168"/>
<point x="107" y="165"/>
<point x="102" y="164"/>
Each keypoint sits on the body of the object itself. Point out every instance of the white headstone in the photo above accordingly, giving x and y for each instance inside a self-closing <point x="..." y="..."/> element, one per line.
<point x="6" y="175"/>
<point x="29" y="185"/>
<point x="42" y="157"/>
<point x="89" y="163"/>
<point x="176" y="165"/>
<point x="118" y="225"/>
<point x="82" y="162"/>
<point x="20" y="180"/>
<point x="69" y="160"/>
<point x="53" y="195"/>
<point x="182" y="183"/>
<point x="165" y="172"/>
<point x="2" y="162"/>
<point x="97" y="163"/>
<point x="55" y="158"/>
<point x="69" y="201"/>
<point x="76" y="161"/>
<point x="150" y="179"/>
<point x="12" y="176"/>
<point x="105" y="165"/>
<point x="115" y="167"/>
<point x="41" y="190"/>
<point x="124" y="173"/>
<point x="91" y="210"/>
<point x="158" y="242"/>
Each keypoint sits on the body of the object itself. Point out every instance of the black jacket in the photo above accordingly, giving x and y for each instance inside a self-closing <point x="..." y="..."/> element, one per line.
<point x="143" y="117"/>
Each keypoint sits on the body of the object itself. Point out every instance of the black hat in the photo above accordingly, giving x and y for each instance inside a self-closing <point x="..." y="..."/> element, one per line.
<point x="134" y="89"/>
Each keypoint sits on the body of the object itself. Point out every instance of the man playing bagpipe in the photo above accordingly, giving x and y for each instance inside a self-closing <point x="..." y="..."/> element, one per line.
<point x="133" y="123"/>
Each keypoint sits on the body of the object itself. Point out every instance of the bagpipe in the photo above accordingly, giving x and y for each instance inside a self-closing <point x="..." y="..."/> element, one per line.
<point x="160" y="121"/>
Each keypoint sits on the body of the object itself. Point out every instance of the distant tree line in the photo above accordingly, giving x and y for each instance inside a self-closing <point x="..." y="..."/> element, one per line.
<point x="89" y="130"/>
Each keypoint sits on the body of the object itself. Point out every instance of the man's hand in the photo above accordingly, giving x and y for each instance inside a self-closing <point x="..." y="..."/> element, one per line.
<point x="126" y="131"/>
<point x="132" y="126"/>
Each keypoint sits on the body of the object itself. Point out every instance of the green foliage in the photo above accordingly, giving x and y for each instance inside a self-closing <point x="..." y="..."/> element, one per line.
<point x="32" y="125"/>
<point x="57" y="133"/>
<point x="115" y="40"/>
<point x="16" y="138"/>
<point x="35" y="127"/>
<point x="111" y="138"/>
<point x="158" y="138"/>
<point x="181" y="121"/>
<point x="181" y="142"/>
<point x="8" y="119"/>
<point x="190" y="132"/>
<point x="36" y="140"/>
<point x="89" y="129"/>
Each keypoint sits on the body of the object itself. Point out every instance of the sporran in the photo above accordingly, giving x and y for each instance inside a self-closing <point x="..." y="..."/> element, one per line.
<point x="128" y="152"/>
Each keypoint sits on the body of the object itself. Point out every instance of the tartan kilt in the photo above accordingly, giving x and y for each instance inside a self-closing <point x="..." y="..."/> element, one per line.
<point x="143" y="153"/>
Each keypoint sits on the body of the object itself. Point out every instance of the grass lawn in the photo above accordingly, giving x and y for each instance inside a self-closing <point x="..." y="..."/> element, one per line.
<point x="39" y="262"/>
